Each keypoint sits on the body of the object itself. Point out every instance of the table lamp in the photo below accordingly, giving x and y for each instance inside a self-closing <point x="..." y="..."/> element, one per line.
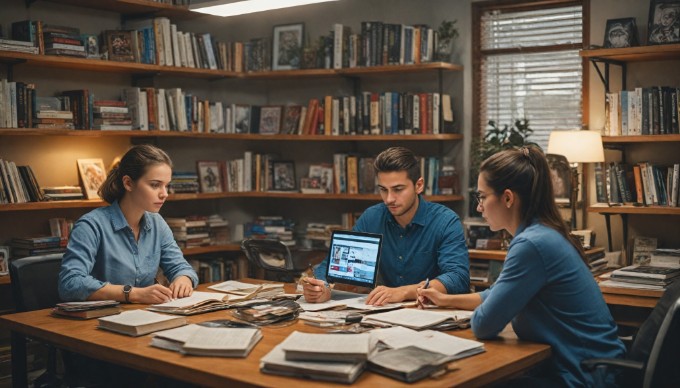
<point x="578" y="147"/>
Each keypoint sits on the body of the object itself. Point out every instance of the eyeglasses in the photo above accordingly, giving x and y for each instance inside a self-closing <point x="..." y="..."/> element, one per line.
<point x="480" y="197"/>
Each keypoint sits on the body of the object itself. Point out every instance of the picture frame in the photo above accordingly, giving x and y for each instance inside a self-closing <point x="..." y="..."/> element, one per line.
<point x="241" y="118"/>
<point x="324" y="172"/>
<point x="291" y="119"/>
<point x="4" y="260"/>
<point x="560" y="174"/>
<point x="284" y="175"/>
<point x="210" y="176"/>
<point x="119" y="46"/>
<point x="91" y="43"/>
<point x="621" y="33"/>
<point x="270" y="119"/>
<point x="92" y="175"/>
<point x="664" y="22"/>
<point x="287" y="46"/>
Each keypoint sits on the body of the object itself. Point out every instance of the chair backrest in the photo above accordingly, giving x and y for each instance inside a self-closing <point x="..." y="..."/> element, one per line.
<point x="658" y="338"/>
<point x="271" y="255"/>
<point x="34" y="281"/>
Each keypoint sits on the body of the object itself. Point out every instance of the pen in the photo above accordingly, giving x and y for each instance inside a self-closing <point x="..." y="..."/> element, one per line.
<point x="425" y="286"/>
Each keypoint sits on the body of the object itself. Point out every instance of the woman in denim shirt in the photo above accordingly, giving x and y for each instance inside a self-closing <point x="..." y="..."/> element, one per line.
<point x="545" y="288"/>
<point x="114" y="252"/>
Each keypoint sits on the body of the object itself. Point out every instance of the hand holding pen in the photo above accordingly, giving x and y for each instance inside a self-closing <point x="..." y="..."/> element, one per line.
<point x="421" y="299"/>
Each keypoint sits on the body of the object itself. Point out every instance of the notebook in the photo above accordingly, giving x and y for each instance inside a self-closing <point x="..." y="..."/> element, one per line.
<point x="354" y="258"/>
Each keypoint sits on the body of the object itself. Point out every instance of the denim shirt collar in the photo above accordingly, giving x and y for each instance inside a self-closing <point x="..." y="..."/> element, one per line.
<point x="119" y="222"/>
<point x="419" y="218"/>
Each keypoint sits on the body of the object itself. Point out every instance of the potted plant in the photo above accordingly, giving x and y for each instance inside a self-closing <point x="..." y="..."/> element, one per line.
<point x="446" y="33"/>
<point x="496" y="139"/>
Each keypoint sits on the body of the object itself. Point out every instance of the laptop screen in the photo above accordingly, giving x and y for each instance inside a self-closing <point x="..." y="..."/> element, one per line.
<point x="353" y="258"/>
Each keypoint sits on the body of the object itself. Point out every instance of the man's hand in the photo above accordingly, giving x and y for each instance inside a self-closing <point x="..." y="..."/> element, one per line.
<point x="150" y="295"/>
<point x="181" y="287"/>
<point x="381" y="295"/>
<point x="315" y="290"/>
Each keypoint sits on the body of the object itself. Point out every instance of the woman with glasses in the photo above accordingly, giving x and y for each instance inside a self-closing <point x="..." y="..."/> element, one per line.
<point x="545" y="288"/>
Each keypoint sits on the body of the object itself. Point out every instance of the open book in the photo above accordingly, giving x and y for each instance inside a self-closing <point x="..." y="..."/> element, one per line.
<point x="139" y="322"/>
<point x="326" y="347"/>
<point x="198" y="302"/>
<point x="422" y="319"/>
<point x="247" y="290"/>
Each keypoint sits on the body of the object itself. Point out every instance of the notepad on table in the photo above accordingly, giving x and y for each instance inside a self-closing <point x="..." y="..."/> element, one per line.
<point x="139" y="322"/>
<point x="326" y="347"/>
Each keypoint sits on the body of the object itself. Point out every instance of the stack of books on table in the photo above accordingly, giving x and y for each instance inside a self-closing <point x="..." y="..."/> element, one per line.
<point x="597" y="262"/>
<point x="662" y="270"/>
<point x="87" y="310"/>
<point x="201" y="340"/>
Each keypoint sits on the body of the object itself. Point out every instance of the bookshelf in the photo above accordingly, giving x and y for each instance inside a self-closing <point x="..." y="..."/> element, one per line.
<point x="34" y="68"/>
<point x="633" y="146"/>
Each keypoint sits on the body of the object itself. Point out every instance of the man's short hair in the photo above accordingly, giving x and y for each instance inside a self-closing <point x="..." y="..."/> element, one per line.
<point x="398" y="159"/>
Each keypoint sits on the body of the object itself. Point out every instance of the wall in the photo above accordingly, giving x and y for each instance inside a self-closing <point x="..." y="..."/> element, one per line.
<point x="639" y="74"/>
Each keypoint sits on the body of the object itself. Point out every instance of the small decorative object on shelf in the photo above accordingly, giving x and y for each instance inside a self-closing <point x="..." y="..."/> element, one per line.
<point x="92" y="175"/>
<point x="287" y="48"/>
<point x="284" y="175"/>
<point x="210" y="177"/>
<point x="446" y="34"/>
<point x="620" y="33"/>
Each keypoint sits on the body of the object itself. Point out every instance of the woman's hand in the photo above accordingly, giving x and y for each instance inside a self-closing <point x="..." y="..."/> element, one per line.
<point x="181" y="287"/>
<point x="432" y="296"/>
<point x="315" y="290"/>
<point x="153" y="294"/>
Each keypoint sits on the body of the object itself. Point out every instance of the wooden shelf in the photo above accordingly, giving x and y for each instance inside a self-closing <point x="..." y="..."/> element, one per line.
<point x="635" y="54"/>
<point x="226" y="136"/>
<point x="211" y="249"/>
<point x="4" y="279"/>
<point x="73" y="63"/>
<point x="83" y="204"/>
<point x="603" y="208"/>
<point x="135" y="7"/>
<point x="640" y="139"/>
<point x="487" y="254"/>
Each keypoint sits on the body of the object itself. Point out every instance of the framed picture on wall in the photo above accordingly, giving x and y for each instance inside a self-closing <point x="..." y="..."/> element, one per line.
<point x="620" y="33"/>
<point x="287" y="46"/>
<point x="664" y="21"/>
<point x="92" y="174"/>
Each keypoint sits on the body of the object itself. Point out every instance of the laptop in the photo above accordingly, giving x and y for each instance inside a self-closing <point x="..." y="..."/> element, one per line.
<point x="354" y="258"/>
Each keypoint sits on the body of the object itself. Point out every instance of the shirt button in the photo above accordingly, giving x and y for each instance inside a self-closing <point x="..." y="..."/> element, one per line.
<point x="401" y="277"/>
<point x="400" y="258"/>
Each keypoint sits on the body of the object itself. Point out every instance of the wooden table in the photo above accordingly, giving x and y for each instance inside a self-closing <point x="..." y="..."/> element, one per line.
<point x="504" y="357"/>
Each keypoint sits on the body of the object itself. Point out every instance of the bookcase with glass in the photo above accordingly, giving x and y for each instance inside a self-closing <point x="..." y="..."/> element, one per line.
<point x="199" y="132"/>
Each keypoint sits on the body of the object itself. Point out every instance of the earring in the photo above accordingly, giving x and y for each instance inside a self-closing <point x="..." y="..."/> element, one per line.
<point x="507" y="205"/>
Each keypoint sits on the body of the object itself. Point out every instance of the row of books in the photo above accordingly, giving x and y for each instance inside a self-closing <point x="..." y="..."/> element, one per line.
<point x="379" y="43"/>
<point x="271" y="227"/>
<point x="38" y="245"/>
<point x="215" y="269"/>
<point x="196" y="230"/>
<point x="18" y="184"/>
<point x="643" y="183"/>
<point x="643" y="111"/>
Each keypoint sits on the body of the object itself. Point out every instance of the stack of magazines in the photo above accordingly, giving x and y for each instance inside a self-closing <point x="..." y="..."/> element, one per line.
<point x="662" y="270"/>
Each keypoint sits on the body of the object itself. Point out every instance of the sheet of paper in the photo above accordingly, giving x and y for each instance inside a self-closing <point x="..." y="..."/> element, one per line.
<point x="232" y="285"/>
<point x="413" y="318"/>
<point x="221" y="338"/>
<point x="338" y="298"/>
<point x="137" y="318"/>
<point x="327" y="343"/>
<point x="179" y="334"/>
<point x="435" y="341"/>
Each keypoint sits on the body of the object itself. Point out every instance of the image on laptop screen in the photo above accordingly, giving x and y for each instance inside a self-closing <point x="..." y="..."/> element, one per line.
<point x="353" y="258"/>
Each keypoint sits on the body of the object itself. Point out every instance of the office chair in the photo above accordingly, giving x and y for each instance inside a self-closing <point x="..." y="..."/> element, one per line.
<point x="34" y="287"/>
<point x="273" y="255"/>
<point x="652" y="360"/>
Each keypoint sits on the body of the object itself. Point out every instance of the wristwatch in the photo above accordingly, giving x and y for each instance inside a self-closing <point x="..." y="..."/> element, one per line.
<point x="126" y="291"/>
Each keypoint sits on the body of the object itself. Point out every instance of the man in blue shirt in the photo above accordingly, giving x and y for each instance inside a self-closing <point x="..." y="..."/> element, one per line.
<point x="421" y="240"/>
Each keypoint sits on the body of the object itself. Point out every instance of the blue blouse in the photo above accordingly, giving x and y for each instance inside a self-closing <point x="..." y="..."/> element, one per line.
<point x="550" y="296"/>
<point x="102" y="249"/>
<point x="431" y="246"/>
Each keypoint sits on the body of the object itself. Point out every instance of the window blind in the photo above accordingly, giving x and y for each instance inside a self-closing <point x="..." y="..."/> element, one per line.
<point x="542" y="84"/>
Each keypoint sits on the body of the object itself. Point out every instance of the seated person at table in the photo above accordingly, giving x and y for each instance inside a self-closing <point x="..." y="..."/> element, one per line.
<point x="421" y="240"/>
<point x="114" y="252"/>
<point x="545" y="288"/>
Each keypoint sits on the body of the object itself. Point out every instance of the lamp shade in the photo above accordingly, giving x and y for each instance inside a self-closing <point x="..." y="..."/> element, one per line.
<point x="226" y="8"/>
<point x="577" y="146"/>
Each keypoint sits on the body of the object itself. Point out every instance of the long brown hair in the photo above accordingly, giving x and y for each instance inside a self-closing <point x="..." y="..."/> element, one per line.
<point x="134" y="164"/>
<point x="525" y="171"/>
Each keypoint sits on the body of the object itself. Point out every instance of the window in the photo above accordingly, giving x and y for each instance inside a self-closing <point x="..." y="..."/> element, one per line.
<point x="527" y="65"/>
